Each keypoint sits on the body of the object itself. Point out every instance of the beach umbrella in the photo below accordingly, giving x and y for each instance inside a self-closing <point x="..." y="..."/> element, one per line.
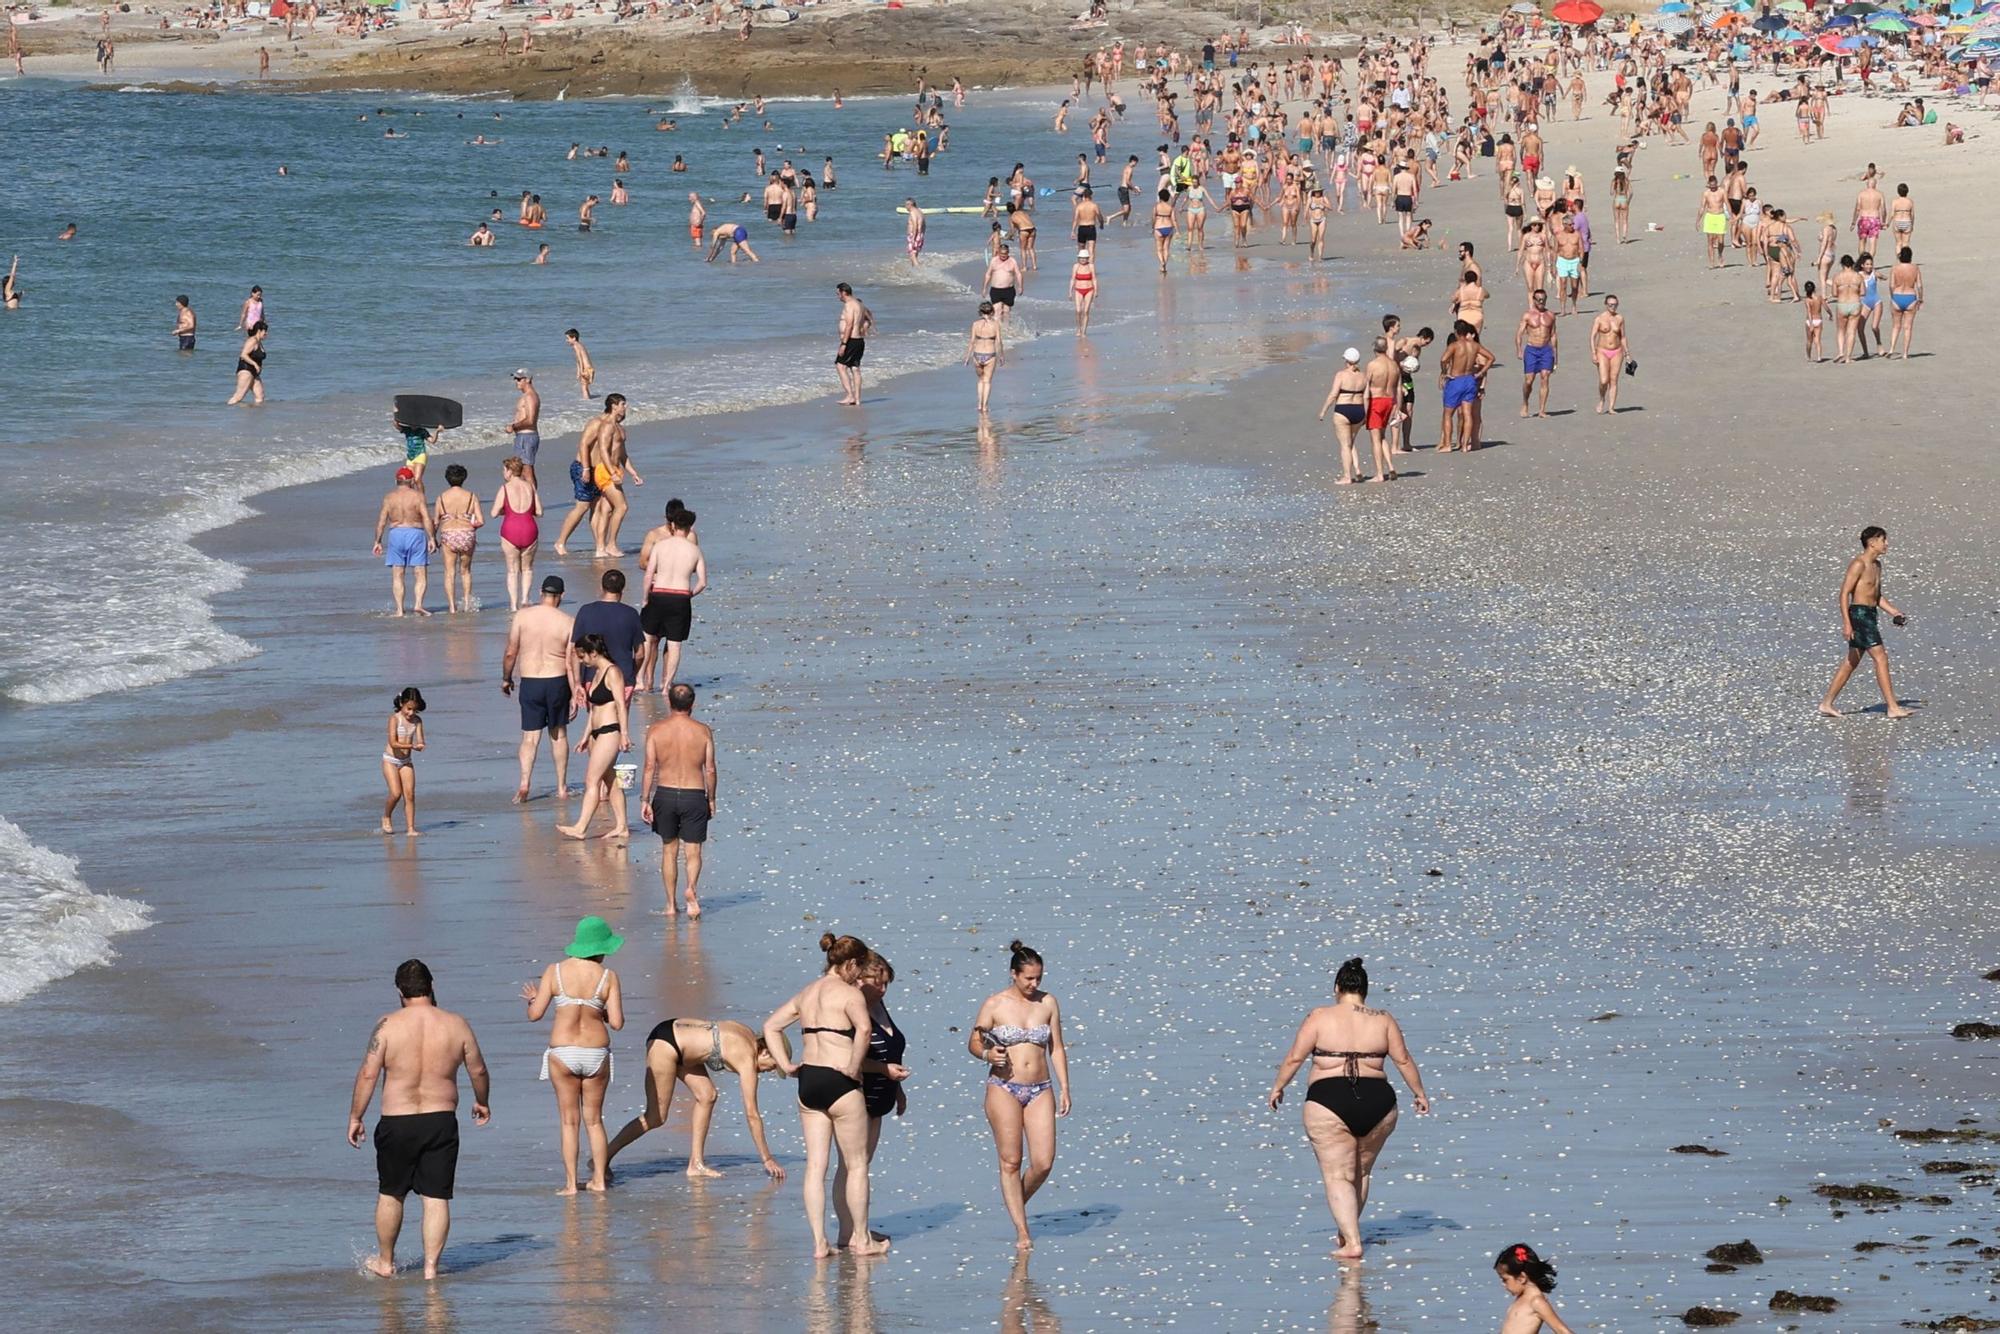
<point x="1769" y="23"/>
<point x="1792" y="6"/>
<point x="1888" y="24"/>
<point x="1924" y="20"/>
<point x="1578" y="12"/>
<point x="1856" y="11"/>
<point x="1677" y="7"/>
<point x="1725" y="20"/>
<point x="1841" y="21"/>
<point x="1961" y="6"/>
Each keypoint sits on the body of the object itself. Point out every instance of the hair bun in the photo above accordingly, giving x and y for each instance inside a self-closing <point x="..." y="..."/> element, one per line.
<point x="826" y="942"/>
<point x="1014" y="945"/>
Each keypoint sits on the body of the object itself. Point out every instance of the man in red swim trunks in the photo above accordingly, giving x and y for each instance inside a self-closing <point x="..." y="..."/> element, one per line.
<point x="1384" y="388"/>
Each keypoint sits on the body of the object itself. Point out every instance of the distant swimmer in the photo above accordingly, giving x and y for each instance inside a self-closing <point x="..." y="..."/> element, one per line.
<point x="982" y="350"/>
<point x="585" y="212"/>
<point x="697" y="214"/>
<point x="676" y="573"/>
<point x="619" y="194"/>
<point x="1018" y="1033"/>
<point x="736" y="237"/>
<point x="538" y="648"/>
<point x="1861" y="608"/>
<point x="184" y="322"/>
<point x="1350" y="1109"/>
<point x="679" y="782"/>
<point x="404" y="538"/>
<point x="416" y="1054"/>
<point x="851" y="342"/>
<point x="399" y="770"/>
<point x="541" y="254"/>
<point x="589" y="1005"/>
<point x="913" y="233"/>
<point x="67" y="234"/>
<point x="694" y="1052"/>
<point x="10" y="288"/>
<point x="250" y="365"/>
<point x="482" y="237"/>
<point x="586" y="372"/>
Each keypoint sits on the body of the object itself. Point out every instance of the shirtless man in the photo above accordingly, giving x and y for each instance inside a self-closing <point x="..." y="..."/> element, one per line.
<point x="613" y="469"/>
<point x="538" y="648"/>
<point x="1869" y="207"/>
<point x="982" y="351"/>
<point x="676" y="573"/>
<point x="697" y="217"/>
<point x="1125" y="188"/>
<point x="734" y="235"/>
<point x="851" y="342"/>
<point x="1861" y="606"/>
<point x="593" y="465"/>
<point x="679" y="783"/>
<point x="586" y="372"/>
<point x="184" y="324"/>
<point x="1713" y="221"/>
<point x="1003" y="282"/>
<point x="584" y="212"/>
<point x="405" y="539"/>
<point x="1609" y="348"/>
<point x="1086" y="218"/>
<point x="1569" y="260"/>
<point x="913" y="233"/>
<point x="1385" y="384"/>
<point x="416" y="1052"/>
<point x="1535" y="345"/>
<point x="526" y="426"/>
<point x="1463" y="370"/>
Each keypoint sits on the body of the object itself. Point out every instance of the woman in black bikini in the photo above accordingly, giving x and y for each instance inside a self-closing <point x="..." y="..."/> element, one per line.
<point x="250" y="365"/>
<point x="695" y="1052"/>
<point x="1350" y="1109"/>
<point x="830" y="1012"/>
<point x="607" y="738"/>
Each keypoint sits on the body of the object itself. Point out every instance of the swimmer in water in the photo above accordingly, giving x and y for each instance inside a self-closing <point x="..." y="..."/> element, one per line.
<point x="734" y="235"/>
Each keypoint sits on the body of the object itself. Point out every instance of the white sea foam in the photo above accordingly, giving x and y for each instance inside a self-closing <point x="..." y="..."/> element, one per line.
<point x="51" y="923"/>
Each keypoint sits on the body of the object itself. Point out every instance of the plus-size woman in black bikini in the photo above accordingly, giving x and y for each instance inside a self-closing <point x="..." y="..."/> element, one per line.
<point x="1350" y="1109"/>
<point x="833" y="1021"/>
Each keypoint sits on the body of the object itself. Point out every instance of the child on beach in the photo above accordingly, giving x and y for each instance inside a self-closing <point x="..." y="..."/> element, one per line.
<point x="1815" y="320"/>
<point x="399" y="771"/>
<point x="1528" y="1279"/>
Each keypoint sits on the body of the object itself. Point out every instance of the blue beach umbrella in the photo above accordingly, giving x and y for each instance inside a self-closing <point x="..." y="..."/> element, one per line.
<point x="1769" y="23"/>
<point x="1677" y="7"/>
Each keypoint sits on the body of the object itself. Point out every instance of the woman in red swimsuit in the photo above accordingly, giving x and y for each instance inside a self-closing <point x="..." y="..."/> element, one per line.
<point x="1083" y="287"/>
<point x="517" y="504"/>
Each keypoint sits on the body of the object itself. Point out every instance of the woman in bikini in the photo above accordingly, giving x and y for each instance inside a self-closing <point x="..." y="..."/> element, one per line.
<point x="695" y="1052"/>
<point x="250" y="365"/>
<point x="577" y="1064"/>
<point x="1018" y="1033"/>
<point x="458" y="521"/>
<point x="831" y="1014"/>
<point x="1815" y="320"/>
<point x="608" y="737"/>
<point x="1347" y="397"/>
<point x="517" y="503"/>
<point x="1350" y="1109"/>
<point x="1621" y="206"/>
<point x="882" y="1073"/>
<point x="1083" y="289"/>
<point x="399" y="770"/>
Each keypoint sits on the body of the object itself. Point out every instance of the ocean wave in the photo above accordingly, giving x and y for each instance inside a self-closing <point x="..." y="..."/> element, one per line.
<point x="51" y="923"/>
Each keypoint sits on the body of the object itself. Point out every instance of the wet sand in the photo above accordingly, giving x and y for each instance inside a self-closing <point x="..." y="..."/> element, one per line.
<point x="1138" y="684"/>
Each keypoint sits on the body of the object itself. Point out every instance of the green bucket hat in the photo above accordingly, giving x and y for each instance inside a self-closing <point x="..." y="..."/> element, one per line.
<point x="593" y="937"/>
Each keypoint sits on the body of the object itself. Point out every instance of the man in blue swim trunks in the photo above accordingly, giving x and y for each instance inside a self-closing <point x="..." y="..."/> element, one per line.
<point x="1535" y="345"/>
<point x="404" y="538"/>
<point x="538" y="649"/>
<point x="1463" y="369"/>
<point x="734" y="235"/>
<point x="526" y="428"/>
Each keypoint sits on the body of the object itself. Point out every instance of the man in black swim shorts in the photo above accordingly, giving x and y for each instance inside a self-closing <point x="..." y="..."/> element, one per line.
<point x="679" y="783"/>
<point x="416" y="1054"/>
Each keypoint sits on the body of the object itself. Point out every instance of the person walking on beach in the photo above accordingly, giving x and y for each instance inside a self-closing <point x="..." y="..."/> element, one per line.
<point x="1528" y="1279"/>
<point x="1350" y="1109"/>
<point x="1003" y="281"/>
<point x="679" y="781"/>
<point x="1906" y="298"/>
<point x="1861" y="608"/>
<point x="617" y="624"/>
<point x="577" y="1062"/>
<point x="882" y="1076"/>
<point x="694" y="1052"/>
<point x="856" y="323"/>
<point x="184" y="324"/>
<point x="614" y="469"/>
<point x="832" y="1016"/>
<point x="1018" y="1033"/>
<point x="526" y="428"/>
<point x="676" y="574"/>
<point x="1347" y="397"/>
<point x="457" y="520"/>
<point x="404" y="538"/>
<point x="1535" y="345"/>
<point x="416" y="1054"/>
<point x="399" y="770"/>
<point x="607" y="735"/>
<point x="1610" y="349"/>
<point x="538" y="647"/>
<point x="982" y="351"/>
<point x="519" y="505"/>
<point x="1083" y="289"/>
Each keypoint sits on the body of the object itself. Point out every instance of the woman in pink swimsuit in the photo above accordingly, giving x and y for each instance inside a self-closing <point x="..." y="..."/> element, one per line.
<point x="517" y="504"/>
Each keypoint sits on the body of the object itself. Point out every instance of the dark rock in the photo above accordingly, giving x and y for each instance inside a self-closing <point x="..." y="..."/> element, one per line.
<point x="1966" y="1241"/>
<point x="1993" y="976"/>
<point x="1866" y="1246"/>
<point x="1737" y="1253"/>
<point x="1976" y="1030"/>
<point x="1701" y="1149"/>
<point x="1605" y="1017"/>
<point x="1862" y="1193"/>
<point x="1952" y="1167"/>
<point x="1935" y="1199"/>
<point x="1709" y="1315"/>
<point x="1956" y="1324"/>
<point x="1936" y="1136"/>
<point x="1719" y="1269"/>
<point x="1786" y="1300"/>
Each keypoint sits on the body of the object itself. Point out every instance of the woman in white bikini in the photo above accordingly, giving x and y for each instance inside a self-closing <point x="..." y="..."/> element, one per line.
<point x="588" y="1005"/>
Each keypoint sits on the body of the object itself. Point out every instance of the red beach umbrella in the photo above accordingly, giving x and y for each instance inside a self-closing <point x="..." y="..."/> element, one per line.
<point x="1578" y="12"/>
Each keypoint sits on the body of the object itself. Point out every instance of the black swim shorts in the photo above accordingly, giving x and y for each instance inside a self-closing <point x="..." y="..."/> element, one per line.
<point x="545" y="702"/>
<point x="667" y="616"/>
<point x="417" y="1152"/>
<point x="680" y="814"/>
<point x="850" y="352"/>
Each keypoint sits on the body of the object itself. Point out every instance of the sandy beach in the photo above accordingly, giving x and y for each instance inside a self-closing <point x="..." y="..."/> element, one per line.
<point x="1130" y="678"/>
